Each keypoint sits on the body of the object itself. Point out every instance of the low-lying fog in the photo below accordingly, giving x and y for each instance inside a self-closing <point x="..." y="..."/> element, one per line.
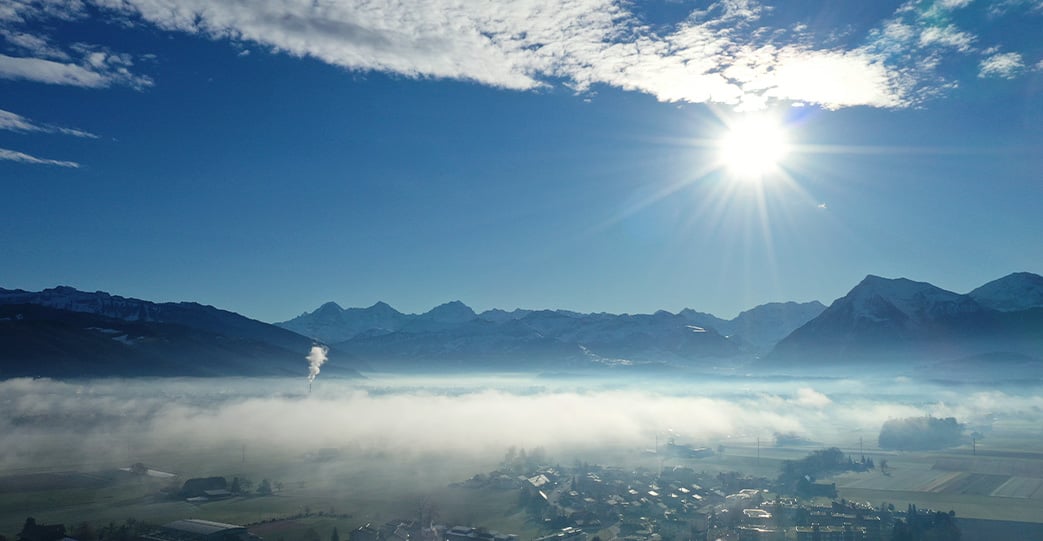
<point x="473" y="418"/>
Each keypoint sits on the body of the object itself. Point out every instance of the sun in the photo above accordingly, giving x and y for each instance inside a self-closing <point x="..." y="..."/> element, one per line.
<point x="752" y="148"/>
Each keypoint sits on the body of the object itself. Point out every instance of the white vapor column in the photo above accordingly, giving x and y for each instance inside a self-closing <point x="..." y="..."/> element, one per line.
<point x="315" y="358"/>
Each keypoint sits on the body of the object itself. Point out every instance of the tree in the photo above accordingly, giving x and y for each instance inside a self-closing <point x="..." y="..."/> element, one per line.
<point x="334" y="536"/>
<point x="84" y="532"/>
<point x="265" y="488"/>
<point x="236" y="486"/>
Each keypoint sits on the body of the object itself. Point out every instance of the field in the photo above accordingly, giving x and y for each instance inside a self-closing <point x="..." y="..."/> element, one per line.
<point x="345" y="492"/>
<point x="1000" y="478"/>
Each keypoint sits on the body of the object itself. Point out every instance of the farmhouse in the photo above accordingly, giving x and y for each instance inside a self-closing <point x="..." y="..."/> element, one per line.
<point x="41" y="532"/>
<point x="466" y="533"/>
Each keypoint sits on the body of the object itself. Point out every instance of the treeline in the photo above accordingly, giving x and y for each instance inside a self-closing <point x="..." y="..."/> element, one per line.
<point x="797" y="476"/>
<point x="929" y="526"/>
<point x="920" y="433"/>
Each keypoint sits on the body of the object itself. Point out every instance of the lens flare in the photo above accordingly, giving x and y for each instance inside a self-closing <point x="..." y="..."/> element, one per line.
<point x="752" y="148"/>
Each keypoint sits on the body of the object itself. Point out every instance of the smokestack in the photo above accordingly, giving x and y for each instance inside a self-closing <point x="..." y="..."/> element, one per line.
<point x="315" y="358"/>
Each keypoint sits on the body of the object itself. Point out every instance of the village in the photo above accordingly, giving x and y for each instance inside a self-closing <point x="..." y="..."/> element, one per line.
<point x="587" y="502"/>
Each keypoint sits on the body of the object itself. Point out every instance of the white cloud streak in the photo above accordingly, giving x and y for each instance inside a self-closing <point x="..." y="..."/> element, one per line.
<point x="15" y="156"/>
<point x="462" y="418"/>
<point x="716" y="55"/>
<point x="18" y="123"/>
<point x="712" y="58"/>
<point x="98" y="70"/>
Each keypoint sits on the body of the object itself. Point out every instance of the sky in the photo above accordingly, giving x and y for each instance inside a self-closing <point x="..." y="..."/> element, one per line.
<point x="268" y="156"/>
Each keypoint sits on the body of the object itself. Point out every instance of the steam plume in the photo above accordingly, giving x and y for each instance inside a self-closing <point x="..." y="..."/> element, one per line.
<point x="316" y="357"/>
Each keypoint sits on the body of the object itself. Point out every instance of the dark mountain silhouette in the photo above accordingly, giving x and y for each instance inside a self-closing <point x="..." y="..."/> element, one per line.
<point x="66" y="332"/>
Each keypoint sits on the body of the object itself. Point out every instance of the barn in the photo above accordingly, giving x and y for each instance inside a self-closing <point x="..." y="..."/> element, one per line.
<point x="199" y="530"/>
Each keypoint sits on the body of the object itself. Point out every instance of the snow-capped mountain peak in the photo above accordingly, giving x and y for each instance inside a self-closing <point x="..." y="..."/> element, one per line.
<point x="1017" y="291"/>
<point x="914" y="300"/>
<point x="450" y="312"/>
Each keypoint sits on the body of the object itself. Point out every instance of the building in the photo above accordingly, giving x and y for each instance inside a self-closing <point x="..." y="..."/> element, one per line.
<point x="32" y="531"/>
<point x="199" y="530"/>
<point x="466" y="533"/>
<point x="816" y="532"/>
<point x="759" y="533"/>
<point x="366" y="533"/>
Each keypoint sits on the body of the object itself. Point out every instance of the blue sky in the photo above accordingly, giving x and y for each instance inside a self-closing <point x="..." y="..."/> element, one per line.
<point x="266" y="157"/>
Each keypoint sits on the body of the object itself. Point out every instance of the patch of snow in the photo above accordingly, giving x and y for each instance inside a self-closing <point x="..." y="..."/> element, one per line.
<point x="124" y="339"/>
<point x="103" y="330"/>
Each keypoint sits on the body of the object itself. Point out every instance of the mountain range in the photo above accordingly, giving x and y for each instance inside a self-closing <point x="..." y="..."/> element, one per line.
<point x="455" y="333"/>
<point x="65" y="332"/>
<point x="902" y="320"/>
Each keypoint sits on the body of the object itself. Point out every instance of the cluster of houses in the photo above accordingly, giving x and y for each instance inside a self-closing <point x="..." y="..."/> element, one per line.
<point x="410" y="530"/>
<point x="678" y="503"/>
<point x="838" y="522"/>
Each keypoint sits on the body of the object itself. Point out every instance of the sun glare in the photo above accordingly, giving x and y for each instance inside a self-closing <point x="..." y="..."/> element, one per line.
<point x="752" y="148"/>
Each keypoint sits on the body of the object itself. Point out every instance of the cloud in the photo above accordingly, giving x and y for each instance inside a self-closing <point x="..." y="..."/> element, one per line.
<point x="1003" y="65"/>
<point x="464" y="420"/>
<point x="20" y="11"/>
<point x="715" y="56"/>
<point x="461" y="417"/>
<point x="835" y="79"/>
<point x="948" y="36"/>
<point x="809" y="397"/>
<point x="15" y="122"/>
<point x="15" y="156"/>
<point x="39" y="46"/>
<point x="724" y="53"/>
<point x="1002" y="7"/>
<point x="99" y="70"/>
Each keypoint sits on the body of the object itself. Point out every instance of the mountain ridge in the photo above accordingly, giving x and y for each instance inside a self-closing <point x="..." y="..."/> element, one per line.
<point x="143" y="337"/>
<point x="885" y="318"/>
<point x="898" y="318"/>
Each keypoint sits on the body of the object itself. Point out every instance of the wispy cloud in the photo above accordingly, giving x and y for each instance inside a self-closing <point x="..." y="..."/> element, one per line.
<point x="1004" y="65"/>
<point x="34" y="45"/>
<point x="25" y="10"/>
<point x="725" y="53"/>
<point x="948" y="36"/>
<point x="18" y="123"/>
<point x="716" y="56"/>
<point x="15" y="156"/>
<point x="99" y="70"/>
<point x="37" y="58"/>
